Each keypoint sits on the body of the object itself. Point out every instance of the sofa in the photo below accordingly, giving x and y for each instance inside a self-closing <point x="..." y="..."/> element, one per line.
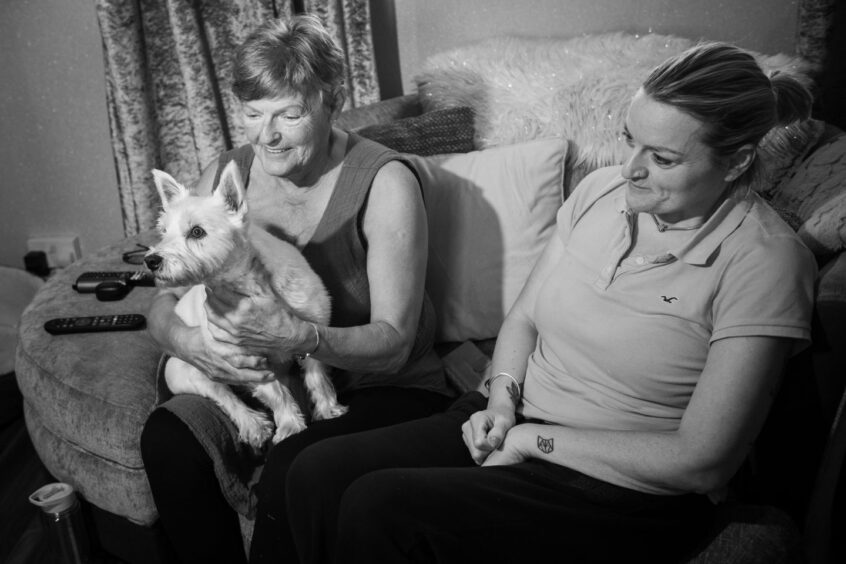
<point x="501" y="132"/>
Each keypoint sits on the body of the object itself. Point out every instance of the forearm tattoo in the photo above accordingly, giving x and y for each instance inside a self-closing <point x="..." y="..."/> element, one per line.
<point x="546" y="446"/>
<point x="514" y="392"/>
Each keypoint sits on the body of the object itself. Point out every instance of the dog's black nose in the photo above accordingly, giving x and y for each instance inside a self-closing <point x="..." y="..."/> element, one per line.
<point x="153" y="262"/>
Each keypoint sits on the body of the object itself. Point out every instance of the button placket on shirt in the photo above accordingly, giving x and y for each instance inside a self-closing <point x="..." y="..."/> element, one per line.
<point x="644" y="262"/>
<point x="618" y="246"/>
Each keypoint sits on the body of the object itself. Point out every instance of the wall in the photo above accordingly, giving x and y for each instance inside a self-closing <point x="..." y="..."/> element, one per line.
<point x="58" y="173"/>
<point x="429" y="27"/>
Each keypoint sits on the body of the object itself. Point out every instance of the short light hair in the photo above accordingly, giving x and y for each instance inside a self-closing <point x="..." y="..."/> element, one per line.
<point x="726" y="89"/>
<point x="284" y="56"/>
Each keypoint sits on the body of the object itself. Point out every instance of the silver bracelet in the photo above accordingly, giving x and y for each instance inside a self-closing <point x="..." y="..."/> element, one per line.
<point x="303" y="356"/>
<point x="490" y="380"/>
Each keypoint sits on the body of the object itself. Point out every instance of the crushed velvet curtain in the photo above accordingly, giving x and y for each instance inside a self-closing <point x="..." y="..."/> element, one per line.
<point x="815" y="18"/>
<point x="821" y="39"/>
<point x="167" y="82"/>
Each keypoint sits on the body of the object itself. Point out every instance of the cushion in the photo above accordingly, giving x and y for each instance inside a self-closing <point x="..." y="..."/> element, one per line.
<point x="447" y="130"/>
<point x="816" y="192"/>
<point x="490" y="213"/>
<point x="784" y="148"/>
<point x="577" y="88"/>
<point x="379" y="112"/>
<point x="750" y="533"/>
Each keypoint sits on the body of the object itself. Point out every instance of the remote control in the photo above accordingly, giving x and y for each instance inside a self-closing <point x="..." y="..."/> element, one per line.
<point x="88" y="281"/>
<point x="120" y="322"/>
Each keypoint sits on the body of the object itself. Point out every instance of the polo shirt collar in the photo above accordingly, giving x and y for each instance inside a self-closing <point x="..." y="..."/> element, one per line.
<point x="722" y="223"/>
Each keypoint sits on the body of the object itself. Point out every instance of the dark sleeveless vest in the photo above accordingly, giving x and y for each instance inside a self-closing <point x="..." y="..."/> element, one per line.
<point x="338" y="254"/>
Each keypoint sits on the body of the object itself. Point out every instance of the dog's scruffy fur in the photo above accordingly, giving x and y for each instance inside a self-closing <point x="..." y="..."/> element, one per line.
<point x="206" y="242"/>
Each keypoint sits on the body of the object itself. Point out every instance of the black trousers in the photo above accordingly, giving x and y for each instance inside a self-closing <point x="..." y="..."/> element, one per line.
<point x="411" y="493"/>
<point x="193" y="512"/>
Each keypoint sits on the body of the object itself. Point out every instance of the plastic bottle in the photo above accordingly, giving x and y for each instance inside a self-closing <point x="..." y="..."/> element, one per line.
<point x="63" y="522"/>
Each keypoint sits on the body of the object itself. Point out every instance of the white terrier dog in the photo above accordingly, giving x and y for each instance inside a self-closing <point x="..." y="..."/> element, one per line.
<point x="206" y="242"/>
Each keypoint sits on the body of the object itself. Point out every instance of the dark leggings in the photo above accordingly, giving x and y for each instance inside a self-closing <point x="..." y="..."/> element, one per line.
<point x="411" y="493"/>
<point x="193" y="512"/>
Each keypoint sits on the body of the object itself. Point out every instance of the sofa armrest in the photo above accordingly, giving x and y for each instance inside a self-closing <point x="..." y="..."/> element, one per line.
<point x="380" y="112"/>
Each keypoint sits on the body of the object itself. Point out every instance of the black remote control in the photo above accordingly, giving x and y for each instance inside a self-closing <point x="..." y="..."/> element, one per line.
<point x="87" y="282"/>
<point x="119" y="322"/>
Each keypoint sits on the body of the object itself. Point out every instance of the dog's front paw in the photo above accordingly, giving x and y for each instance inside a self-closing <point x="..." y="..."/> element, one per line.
<point x="289" y="425"/>
<point x="254" y="428"/>
<point x="329" y="410"/>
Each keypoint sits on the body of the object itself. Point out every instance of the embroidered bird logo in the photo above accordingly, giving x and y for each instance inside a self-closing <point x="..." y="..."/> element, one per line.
<point x="669" y="300"/>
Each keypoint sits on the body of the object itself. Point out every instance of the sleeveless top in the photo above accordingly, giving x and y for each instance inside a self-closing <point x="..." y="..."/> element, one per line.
<point x="338" y="254"/>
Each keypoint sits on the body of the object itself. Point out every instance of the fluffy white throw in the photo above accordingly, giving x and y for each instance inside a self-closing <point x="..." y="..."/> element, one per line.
<point x="577" y="88"/>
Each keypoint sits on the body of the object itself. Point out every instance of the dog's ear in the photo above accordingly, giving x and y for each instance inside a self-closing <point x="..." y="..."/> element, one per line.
<point x="231" y="189"/>
<point x="167" y="186"/>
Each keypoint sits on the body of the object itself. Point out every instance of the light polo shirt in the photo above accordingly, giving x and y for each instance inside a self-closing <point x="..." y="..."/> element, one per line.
<point x="622" y="341"/>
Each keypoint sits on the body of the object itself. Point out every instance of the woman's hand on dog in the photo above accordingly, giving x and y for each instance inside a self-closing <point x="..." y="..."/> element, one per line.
<point x="254" y="323"/>
<point x="227" y="363"/>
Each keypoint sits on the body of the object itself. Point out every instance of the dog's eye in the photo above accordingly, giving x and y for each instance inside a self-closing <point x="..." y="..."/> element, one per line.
<point x="197" y="232"/>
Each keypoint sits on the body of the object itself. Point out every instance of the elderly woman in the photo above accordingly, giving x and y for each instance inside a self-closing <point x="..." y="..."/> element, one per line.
<point x="630" y="377"/>
<point x="355" y="210"/>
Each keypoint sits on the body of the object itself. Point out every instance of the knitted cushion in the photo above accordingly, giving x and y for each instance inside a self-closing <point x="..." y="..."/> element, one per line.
<point x="815" y="191"/>
<point x="433" y="133"/>
<point x="783" y="149"/>
<point x="781" y="152"/>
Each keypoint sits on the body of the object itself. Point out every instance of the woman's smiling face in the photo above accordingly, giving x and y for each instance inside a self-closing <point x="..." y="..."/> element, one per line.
<point x="671" y="172"/>
<point x="288" y="134"/>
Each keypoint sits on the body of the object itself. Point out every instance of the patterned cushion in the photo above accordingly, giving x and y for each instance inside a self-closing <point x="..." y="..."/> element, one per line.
<point x="437" y="132"/>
